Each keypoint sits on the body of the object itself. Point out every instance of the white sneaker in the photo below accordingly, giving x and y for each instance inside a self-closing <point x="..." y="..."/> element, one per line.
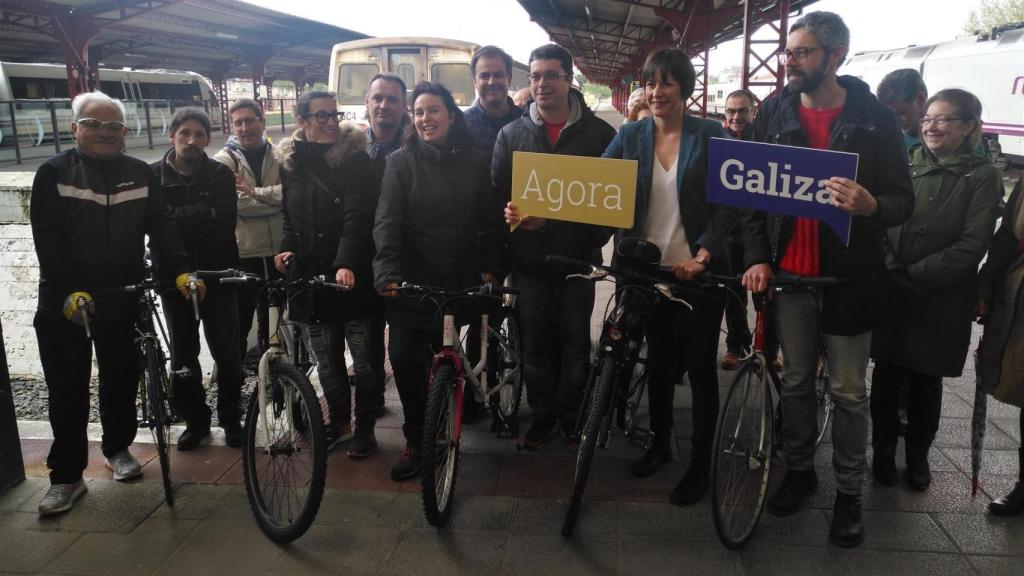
<point x="124" y="466"/>
<point x="61" y="497"/>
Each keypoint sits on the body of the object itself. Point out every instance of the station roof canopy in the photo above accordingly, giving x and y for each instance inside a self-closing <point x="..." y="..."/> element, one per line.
<point x="218" y="38"/>
<point x="609" y="39"/>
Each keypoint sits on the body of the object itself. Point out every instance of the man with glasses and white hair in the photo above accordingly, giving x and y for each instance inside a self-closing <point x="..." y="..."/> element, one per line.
<point x="554" y="313"/>
<point x="817" y="109"/>
<point x="91" y="209"/>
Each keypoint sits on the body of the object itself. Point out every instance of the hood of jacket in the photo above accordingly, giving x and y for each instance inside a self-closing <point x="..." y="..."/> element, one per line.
<point x="965" y="159"/>
<point x="856" y="109"/>
<point x="578" y="109"/>
<point x="351" y="140"/>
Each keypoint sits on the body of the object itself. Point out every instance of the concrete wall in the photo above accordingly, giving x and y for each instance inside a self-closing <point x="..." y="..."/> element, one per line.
<point x="19" y="275"/>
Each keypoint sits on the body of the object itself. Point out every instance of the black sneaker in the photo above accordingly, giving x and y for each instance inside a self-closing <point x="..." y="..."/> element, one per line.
<point x="408" y="466"/>
<point x="847" y="521"/>
<point x="538" y="434"/>
<point x="883" y="466"/>
<point x="693" y="485"/>
<point x="919" y="473"/>
<point x="192" y="437"/>
<point x="1010" y="505"/>
<point x="337" y="434"/>
<point x="363" y="443"/>
<point x="651" y="461"/>
<point x="797" y="485"/>
<point x="232" y="433"/>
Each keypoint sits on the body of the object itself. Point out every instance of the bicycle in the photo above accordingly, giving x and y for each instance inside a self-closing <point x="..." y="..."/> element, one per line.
<point x="156" y="395"/>
<point x="442" y="428"/>
<point x="747" y="435"/>
<point x="284" y="455"/>
<point x="619" y="368"/>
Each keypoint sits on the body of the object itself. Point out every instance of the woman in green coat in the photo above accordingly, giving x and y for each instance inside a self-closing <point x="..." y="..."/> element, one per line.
<point x="933" y="262"/>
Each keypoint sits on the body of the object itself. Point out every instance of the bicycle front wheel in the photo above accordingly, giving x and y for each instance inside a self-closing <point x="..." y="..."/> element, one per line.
<point x="594" y="419"/>
<point x="159" y="415"/>
<point x="440" y="450"/>
<point x="285" y="456"/>
<point x="508" y="371"/>
<point x="742" y="456"/>
<point x="823" y="396"/>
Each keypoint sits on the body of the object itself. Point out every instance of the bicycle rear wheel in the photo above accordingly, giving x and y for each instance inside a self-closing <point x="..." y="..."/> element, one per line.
<point x="285" y="457"/>
<point x="593" y="420"/>
<point x="508" y="371"/>
<point x="742" y="456"/>
<point x="440" y="450"/>
<point x="159" y="423"/>
<point x="823" y="396"/>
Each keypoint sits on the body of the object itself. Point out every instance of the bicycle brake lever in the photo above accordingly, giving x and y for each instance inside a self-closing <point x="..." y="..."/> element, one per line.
<point x="665" y="291"/>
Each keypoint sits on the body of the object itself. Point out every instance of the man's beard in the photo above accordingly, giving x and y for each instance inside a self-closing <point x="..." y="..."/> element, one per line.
<point x="809" y="81"/>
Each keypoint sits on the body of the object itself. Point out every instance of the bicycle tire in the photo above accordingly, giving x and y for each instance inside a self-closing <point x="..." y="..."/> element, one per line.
<point x="508" y="373"/>
<point x="742" y="456"/>
<point x="439" y="452"/>
<point x="159" y="416"/>
<point x="823" y="397"/>
<point x="590" y="432"/>
<point x="285" y="468"/>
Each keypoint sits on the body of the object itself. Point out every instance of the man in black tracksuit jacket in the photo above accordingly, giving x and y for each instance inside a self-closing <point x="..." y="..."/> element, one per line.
<point x="91" y="209"/>
<point x="201" y="193"/>
<point x="554" y="313"/>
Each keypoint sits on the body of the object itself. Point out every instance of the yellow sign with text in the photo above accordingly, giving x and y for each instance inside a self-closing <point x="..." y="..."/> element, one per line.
<point x="598" y="191"/>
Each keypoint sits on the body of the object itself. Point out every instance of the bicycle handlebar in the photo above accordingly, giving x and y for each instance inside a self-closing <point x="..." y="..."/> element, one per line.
<point x="482" y="290"/>
<point x="232" y="276"/>
<point x="779" y="284"/>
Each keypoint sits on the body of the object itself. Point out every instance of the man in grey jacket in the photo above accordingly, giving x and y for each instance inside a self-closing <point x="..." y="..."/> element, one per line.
<point x="260" y="218"/>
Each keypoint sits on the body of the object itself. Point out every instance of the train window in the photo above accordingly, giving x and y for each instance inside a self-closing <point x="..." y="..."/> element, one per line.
<point x="457" y="78"/>
<point x="353" y="80"/>
<point x="112" y="88"/>
<point x="35" y="88"/>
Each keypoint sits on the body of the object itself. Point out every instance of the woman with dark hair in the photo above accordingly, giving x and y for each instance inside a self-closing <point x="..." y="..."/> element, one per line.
<point x="932" y="261"/>
<point x="436" y="225"/>
<point x="672" y="213"/>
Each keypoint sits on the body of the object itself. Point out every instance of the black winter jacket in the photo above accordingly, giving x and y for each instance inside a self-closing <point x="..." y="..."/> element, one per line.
<point x="436" y="225"/>
<point x="205" y="210"/>
<point x="869" y="129"/>
<point x="583" y="135"/>
<point x="329" y="192"/>
<point x="89" y="221"/>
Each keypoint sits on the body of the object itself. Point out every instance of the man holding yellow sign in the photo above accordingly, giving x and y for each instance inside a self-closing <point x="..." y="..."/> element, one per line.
<point x="554" y="313"/>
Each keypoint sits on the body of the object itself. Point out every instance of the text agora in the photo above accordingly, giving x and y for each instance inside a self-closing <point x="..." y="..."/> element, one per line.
<point x="557" y="192"/>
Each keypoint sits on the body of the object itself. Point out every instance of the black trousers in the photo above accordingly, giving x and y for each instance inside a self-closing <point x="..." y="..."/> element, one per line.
<point x="411" y="353"/>
<point x="924" y="408"/>
<point x="680" y="340"/>
<point x="219" y="314"/>
<point x="246" y="298"/>
<point x="554" y="323"/>
<point x="66" y="356"/>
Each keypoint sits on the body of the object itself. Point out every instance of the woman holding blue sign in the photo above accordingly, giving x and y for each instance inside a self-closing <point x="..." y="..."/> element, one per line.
<point x="672" y="213"/>
<point x="932" y="260"/>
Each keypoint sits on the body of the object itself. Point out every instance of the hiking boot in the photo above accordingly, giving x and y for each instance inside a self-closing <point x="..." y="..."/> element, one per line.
<point x="192" y="437"/>
<point x="337" y="434"/>
<point x="1010" y="505"/>
<point x="693" y="485"/>
<point x="123" y="465"/>
<point x="730" y="360"/>
<point x="363" y="442"/>
<point x="408" y="466"/>
<point x="651" y="461"/>
<point x="61" y="497"/>
<point x="847" y="521"/>
<point x="232" y="432"/>
<point x="883" y="466"/>
<point x="919" y="473"/>
<point x="797" y="485"/>
<point x="538" y="435"/>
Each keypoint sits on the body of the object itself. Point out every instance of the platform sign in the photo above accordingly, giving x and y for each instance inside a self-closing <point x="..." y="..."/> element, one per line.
<point x="779" y="179"/>
<point x="598" y="191"/>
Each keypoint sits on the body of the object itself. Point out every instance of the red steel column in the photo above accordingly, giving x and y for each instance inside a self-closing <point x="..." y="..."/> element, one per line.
<point x="753" y="18"/>
<point x="74" y="32"/>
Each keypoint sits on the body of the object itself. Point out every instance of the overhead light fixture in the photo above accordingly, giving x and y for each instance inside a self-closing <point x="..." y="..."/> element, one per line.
<point x="225" y="35"/>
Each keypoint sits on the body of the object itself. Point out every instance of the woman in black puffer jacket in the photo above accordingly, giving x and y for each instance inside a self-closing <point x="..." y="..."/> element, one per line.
<point x="437" y="223"/>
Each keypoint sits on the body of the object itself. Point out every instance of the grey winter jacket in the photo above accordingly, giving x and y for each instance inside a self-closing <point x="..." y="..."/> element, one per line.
<point x="260" y="217"/>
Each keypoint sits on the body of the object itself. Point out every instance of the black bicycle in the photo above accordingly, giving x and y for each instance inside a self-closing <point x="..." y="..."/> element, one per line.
<point x="619" y="370"/>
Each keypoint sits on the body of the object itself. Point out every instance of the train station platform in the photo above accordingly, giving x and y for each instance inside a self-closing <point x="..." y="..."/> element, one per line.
<point x="507" y="514"/>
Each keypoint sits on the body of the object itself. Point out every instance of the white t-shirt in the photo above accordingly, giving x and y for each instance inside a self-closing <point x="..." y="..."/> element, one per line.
<point x="664" y="226"/>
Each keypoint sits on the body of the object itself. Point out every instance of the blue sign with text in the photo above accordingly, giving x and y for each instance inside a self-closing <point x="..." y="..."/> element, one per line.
<point x="779" y="179"/>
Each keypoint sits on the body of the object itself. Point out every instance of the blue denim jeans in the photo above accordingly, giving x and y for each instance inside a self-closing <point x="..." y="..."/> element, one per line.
<point x="798" y="318"/>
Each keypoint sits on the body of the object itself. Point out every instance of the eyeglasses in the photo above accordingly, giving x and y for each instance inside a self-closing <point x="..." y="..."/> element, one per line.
<point x="488" y="76"/>
<point x="245" y="122"/>
<point x="734" y="111"/>
<point x="938" y="120"/>
<point x="797" y="54"/>
<point x="94" y="124"/>
<point x="536" y="77"/>
<point x="322" y="116"/>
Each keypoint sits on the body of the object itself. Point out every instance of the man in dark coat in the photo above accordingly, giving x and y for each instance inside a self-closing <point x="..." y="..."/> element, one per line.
<point x="820" y="110"/>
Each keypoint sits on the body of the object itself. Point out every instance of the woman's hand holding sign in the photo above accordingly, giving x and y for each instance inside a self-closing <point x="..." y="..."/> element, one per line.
<point x="851" y="197"/>
<point x="514" y="219"/>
